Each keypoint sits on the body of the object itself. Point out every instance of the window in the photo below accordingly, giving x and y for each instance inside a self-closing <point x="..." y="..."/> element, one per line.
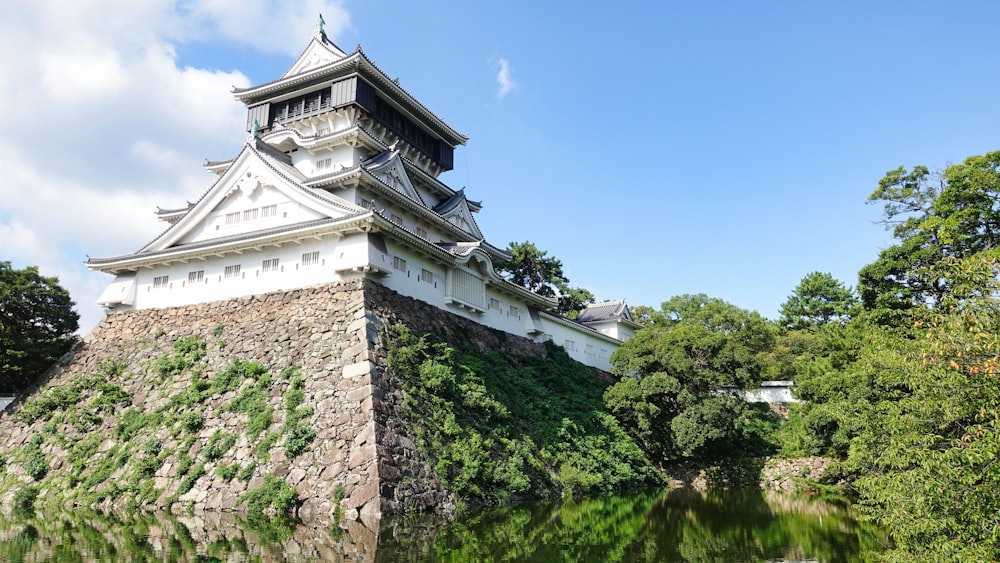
<point x="270" y="265"/>
<point x="324" y="164"/>
<point x="494" y="304"/>
<point x="366" y="203"/>
<point x="160" y="282"/>
<point x="513" y="312"/>
<point x="310" y="258"/>
<point x="399" y="263"/>
<point x="250" y="214"/>
<point x="468" y="288"/>
<point x="396" y="219"/>
<point x="422" y="233"/>
<point x="322" y="131"/>
<point x="269" y="211"/>
<point x="232" y="218"/>
<point x="603" y="353"/>
<point x="426" y="276"/>
<point x="569" y="345"/>
<point x="590" y="349"/>
<point x="232" y="271"/>
<point x="196" y="277"/>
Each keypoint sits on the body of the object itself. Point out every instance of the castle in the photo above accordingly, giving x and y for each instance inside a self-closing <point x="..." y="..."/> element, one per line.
<point x="338" y="180"/>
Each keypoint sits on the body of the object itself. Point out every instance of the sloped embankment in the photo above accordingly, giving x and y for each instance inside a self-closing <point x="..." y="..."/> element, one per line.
<point x="289" y="398"/>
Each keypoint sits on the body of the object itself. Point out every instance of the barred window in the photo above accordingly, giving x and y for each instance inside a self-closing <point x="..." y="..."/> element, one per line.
<point x="232" y="218"/>
<point x="270" y="265"/>
<point x="399" y="263"/>
<point x="250" y="214"/>
<point x="232" y="271"/>
<point x="160" y="282"/>
<point x="426" y="276"/>
<point x="310" y="258"/>
<point x="269" y="211"/>
<point x="196" y="277"/>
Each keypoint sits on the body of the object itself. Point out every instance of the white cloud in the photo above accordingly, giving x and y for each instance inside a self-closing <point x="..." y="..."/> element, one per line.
<point x="104" y="123"/>
<point x="505" y="80"/>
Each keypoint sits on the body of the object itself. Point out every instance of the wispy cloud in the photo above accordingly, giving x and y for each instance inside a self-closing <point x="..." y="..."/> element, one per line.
<point x="504" y="78"/>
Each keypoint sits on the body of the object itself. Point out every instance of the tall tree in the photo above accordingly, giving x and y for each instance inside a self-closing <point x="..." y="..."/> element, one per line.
<point x="37" y="325"/>
<point x="672" y="374"/>
<point x="817" y="300"/>
<point x="933" y="215"/>
<point x="533" y="269"/>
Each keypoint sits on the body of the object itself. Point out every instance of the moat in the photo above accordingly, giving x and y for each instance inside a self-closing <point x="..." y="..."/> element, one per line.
<point x="664" y="525"/>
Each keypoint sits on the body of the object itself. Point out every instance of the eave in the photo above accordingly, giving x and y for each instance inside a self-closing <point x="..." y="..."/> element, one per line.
<point x="238" y="244"/>
<point x="573" y="324"/>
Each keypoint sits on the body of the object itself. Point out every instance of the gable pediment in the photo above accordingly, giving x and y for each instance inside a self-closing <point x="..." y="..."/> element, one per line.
<point x="320" y="52"/>
<point x="252" y="195"/>
<point x="388" y="167"/>
<point x="458" y="212"/>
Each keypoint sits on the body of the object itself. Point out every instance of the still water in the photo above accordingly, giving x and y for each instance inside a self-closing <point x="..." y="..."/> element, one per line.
<point x="673" y="525"/>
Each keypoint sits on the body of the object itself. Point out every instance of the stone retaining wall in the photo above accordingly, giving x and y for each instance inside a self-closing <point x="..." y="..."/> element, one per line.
<point x="336" y="336"/>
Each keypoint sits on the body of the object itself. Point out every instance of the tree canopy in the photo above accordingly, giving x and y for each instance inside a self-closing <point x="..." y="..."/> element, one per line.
<point x="37" y="325"/>
<point x="533" y="269"/>
<point x="953" y="213"/>
<point x="817" y="300"/>
<point x="674" y="376"/>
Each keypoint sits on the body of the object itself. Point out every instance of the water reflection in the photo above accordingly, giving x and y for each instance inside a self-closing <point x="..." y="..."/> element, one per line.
<point x="676" y="525"/>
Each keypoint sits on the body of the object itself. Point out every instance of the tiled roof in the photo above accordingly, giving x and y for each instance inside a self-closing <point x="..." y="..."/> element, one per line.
<point x="606" y="311"/>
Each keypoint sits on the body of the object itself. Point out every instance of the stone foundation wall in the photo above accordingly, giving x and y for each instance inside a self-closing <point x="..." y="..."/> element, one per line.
<point x="363" y="461"/>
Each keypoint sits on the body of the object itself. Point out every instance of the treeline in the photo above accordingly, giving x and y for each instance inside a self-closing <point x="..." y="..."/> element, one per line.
<point x="899" y="376"/>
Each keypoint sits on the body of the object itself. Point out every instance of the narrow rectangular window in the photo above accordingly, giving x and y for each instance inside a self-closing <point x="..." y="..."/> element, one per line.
<point x="160" y="282"/>
<point x="366" y="203"/>
<point x="590" y="349"/>
<point x="269" y="211"/>
<point x="270" y="265"/>
<point x="422" y="233"/>
<point x="569" y="345"/>
<point x="324" y="164"/>
<point x="250" y="214"/>
<point x="513" y="312"/>
<point x="426" y="276"/>
<point x="232" y="271"/>
<point x="310" y="258"/>
<point x="603" y="353"/>
<point x="494" y="304"/>
<point x="322" y="131"/>
<point x="399" y="263"/>
<point x="396" y="219"/>
<point x="196" y="277"/>
<point x="232" y="218"/>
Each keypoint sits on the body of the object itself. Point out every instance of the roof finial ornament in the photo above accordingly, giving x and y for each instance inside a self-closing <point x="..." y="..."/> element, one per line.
<point x="319" y="25"/>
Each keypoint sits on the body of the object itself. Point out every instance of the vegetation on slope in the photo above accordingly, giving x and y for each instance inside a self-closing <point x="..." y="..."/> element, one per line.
<point x="501" y="426"/>
<point x="114" y="449"/>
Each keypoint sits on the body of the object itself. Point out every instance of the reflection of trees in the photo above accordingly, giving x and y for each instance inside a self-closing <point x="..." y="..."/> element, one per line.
<point x="675" y="525"/>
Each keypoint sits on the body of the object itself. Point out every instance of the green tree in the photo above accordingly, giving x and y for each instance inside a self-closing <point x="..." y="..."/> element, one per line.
<point x="817" y="300"/>
<point x="533" y="269"/>
<point x="672" y="374"/>
<point x="37" y="325"/>
<point x="954" y="213"/>
<point x="926" y="457"/>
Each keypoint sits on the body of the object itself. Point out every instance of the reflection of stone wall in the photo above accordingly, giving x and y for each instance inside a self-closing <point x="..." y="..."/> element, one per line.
<point x="335" y="335"/>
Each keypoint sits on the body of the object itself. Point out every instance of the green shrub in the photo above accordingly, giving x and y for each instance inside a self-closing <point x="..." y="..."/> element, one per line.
<point x="227" y="471"/>
<point x="218" y="445"/>
<point x="34" y="462"/>
<point x="192" y="421"/>
<point x="245" y="473"/>
<point x="53" y="400"/>
<point x="272" y="496"/>
<point x="24" y="498"/>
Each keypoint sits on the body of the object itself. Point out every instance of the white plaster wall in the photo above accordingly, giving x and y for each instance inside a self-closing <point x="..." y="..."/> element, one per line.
<point x="599" y="355"/>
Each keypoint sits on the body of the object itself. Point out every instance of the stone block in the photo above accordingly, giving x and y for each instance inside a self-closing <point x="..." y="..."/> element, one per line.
<point x="354" y="371"/>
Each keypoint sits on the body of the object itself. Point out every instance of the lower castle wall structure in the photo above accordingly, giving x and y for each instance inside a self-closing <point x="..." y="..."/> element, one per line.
<point x="363" y="460"/>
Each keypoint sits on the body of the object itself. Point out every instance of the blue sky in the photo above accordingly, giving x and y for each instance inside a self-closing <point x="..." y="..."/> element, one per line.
<point x="657" y="149"/>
